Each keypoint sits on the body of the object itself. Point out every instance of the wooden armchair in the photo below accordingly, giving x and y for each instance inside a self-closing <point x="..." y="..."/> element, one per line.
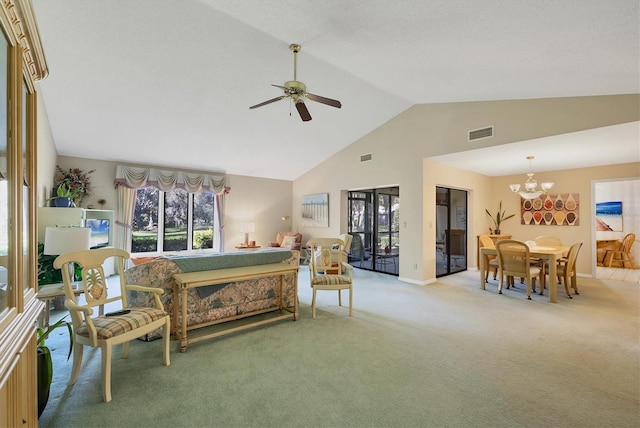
<point x="622" y="255"/>
<point x="338" y="253"/>
<point x="327" y="274"/>
<point x="106" y="331"/>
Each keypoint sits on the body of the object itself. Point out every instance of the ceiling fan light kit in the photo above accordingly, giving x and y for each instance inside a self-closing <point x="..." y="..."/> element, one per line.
<point x="297" y="92"/>
<point x="530" y="186"/>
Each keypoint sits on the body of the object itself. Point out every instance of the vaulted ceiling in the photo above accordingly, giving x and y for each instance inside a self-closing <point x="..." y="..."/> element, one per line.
<point x="169" y="83"/>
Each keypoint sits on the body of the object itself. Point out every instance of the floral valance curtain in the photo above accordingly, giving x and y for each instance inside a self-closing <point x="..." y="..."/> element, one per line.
<point x="135" y="177"/>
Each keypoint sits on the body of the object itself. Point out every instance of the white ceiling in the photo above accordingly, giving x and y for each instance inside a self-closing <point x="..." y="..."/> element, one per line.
<point x="170" y="83"/>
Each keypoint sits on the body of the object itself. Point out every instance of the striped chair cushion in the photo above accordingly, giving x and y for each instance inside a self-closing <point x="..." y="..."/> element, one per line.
<point x="108" y="327"/>
<point x="330" y="280"/>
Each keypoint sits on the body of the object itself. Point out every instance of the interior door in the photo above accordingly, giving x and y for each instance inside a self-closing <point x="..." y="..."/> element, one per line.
<point x="451" y="231"/>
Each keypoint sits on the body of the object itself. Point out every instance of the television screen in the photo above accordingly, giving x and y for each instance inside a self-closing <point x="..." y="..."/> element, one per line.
<point x="99" y="232"/>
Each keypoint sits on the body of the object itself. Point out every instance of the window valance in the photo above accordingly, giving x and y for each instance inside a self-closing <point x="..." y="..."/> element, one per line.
<point x="135" y="177"/>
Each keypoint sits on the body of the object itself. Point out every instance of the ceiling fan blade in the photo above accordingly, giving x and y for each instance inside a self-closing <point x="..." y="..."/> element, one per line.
<point x="302" y="109"/>
<point x="324" y="100"/>
<point x="273" y="100"/>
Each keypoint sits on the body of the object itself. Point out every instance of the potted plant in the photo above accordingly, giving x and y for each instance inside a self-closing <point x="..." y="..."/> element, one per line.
<point x="64" y="196"/>
<point x="45" y="364"/>
<point x="76" y="180"/>
<point x="499" y="218"/>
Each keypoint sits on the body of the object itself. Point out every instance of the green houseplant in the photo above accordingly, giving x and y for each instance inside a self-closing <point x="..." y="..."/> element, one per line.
<point x="45" y="364"/>
<point x="64" y="196"/>
<point x="499" y="218"/>
<point x="76" y="181"/>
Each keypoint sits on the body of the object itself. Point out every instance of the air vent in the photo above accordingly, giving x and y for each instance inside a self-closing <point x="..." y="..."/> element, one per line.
<point x="367" y="157"/>
<point x="480" y="134"/>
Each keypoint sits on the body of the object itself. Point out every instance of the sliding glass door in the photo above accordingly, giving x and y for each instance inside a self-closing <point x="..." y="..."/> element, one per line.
<point x="374" y="223"/>
<point x="451" y="231"/>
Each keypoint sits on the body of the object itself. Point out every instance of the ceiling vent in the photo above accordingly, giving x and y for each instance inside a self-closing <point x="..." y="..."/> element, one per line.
<point x="367" y="157"/>
<point x="480" y="134"/>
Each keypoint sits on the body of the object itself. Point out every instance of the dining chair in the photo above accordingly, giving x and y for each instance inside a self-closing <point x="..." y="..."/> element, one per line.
<point x="106" y="331"/>
<point x="341" y="254"/>
<point x="328" y="272"/>
<point x="545" y="241"/>
<point x="514" y="261"/>
<point x="567" y="268"/>
<point x="491" y="261"/>
<point x="621" y="255"/>
<point x="548" y="241"/>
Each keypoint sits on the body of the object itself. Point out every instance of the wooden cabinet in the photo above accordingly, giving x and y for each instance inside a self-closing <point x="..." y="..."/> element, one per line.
<point x="21" y="65"/>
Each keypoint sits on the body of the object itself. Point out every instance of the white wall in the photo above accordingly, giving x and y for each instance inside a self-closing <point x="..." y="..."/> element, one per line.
<point x="400" y="145"/>
<point x="47" y="154"/>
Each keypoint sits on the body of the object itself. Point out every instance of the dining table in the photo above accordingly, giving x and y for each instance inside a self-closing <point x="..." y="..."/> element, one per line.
<point x="548" y="253"/>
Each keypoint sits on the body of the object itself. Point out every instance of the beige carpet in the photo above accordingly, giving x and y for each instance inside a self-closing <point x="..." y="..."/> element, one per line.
<point x="441" y="355"/>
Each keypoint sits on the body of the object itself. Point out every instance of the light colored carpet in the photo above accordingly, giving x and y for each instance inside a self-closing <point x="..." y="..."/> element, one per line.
<point x="442" y="355"/>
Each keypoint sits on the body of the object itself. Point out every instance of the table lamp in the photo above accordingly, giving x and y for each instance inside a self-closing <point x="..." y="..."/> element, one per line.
<point x="62" y="240"/>
<point x="248" y="228"/>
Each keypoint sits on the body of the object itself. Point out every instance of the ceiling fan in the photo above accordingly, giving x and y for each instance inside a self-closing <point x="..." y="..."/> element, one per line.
<point x="297" y="91"/>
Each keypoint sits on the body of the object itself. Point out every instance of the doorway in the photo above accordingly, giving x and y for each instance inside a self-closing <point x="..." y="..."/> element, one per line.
<point x="451" y="231"/>
<point x="374" y="223"/>
<point x="625" y="193"/>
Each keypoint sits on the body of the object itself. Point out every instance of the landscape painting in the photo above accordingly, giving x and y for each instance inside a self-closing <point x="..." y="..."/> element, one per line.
<point x="609" y="216"/>
<point x="315" y="210"/>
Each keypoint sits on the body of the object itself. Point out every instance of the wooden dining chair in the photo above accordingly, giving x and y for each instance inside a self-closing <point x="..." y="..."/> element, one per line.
<point x="622" y="255"/>
<point x="111" y="329"/>
<point x="548" y="241"/>
<point x="329" y="273"/>
<point x="567" y="268"/>
<point x="514" y="261"/>
<point x="491" y="261"/>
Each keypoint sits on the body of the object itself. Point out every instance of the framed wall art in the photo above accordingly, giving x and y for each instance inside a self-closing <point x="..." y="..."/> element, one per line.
<point x="551" y="210"/>
<point x="609" y="216"/>
<point x="315" y="210"/>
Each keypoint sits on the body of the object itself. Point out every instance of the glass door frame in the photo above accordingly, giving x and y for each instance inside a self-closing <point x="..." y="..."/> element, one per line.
<point x="448" y="237"/>
<point x="366" y="217"/>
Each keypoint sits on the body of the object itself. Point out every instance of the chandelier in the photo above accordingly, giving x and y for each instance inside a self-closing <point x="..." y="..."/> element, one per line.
<point x="531" y="190"/>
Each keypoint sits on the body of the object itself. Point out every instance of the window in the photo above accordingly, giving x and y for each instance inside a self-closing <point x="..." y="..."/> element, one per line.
<point x="172" y="221"/>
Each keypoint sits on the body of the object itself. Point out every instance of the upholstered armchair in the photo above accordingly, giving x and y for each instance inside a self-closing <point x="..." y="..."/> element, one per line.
<point x="284" y="240"/>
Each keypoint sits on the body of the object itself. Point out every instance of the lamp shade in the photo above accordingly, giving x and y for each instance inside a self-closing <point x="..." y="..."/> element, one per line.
<point x="62" y="240"/>
<point x="248" y="227"/>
